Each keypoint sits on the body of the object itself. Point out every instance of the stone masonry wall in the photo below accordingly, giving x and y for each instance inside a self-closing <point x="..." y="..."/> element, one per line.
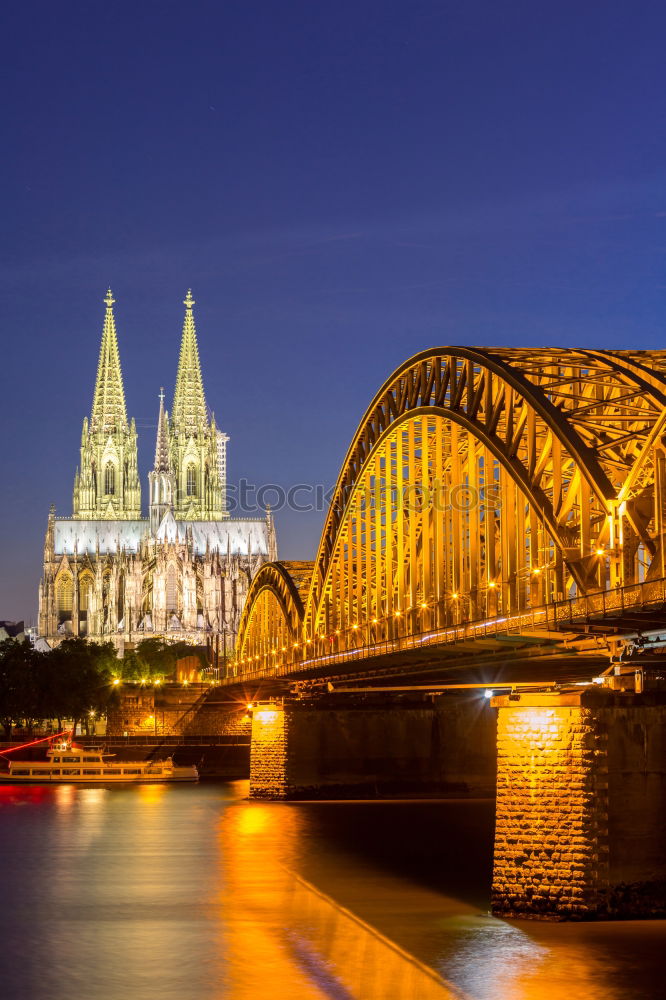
<point x="175" y="711"/>
<point x="551" y="842"/>
<point x="313" y="750"/>
<point x="636" y="808"/>
<point x="268" y="754"/>
<point x="581" y="806"/>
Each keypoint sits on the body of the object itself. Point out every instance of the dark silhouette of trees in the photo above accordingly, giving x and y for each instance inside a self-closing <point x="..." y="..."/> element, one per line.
<point x="77" y="680"/>
<point x="16" y="682"/>
<point x="65" y="683"/>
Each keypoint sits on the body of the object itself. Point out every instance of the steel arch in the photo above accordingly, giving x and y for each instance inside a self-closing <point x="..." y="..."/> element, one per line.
<point x="273" y="610"/>
<point x="565" y="450"/>
<point x="596" y="412"/>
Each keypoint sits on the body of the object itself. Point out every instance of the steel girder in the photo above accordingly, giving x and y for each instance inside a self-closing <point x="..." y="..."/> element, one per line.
<point x="272" y="616"/>
<point x="558" y="453"/>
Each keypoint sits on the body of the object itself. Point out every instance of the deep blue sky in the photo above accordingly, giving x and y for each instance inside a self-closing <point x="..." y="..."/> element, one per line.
<point x="342" y="184"/>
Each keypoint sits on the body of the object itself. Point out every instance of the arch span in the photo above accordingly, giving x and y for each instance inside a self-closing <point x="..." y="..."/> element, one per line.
<point x="272" y="618"/>
<point x="485" y="481"/>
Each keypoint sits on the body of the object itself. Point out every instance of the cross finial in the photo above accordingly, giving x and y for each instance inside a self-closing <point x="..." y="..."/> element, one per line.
<point x="109" y="299"/>
<point x="188" y="301"/>
<point x="161" y="394"/>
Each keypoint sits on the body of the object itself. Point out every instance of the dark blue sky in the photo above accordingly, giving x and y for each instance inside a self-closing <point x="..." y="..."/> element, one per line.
<point x="341" y="184"/>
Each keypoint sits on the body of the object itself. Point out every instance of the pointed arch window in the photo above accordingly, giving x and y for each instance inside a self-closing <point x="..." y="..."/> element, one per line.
<point x="171" y="590"/>
<point x="85" y="593"/>
<point x="64" y="597"/>
<point x="110" y="479"/>
<point x="191" y="481"/>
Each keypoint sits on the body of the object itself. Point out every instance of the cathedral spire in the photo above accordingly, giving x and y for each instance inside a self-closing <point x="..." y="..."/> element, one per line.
<point x="162" y="442"/>
<point x="108" y="409"/>
<point x="107" y="485"/>
<point x="161" y="479"/>
<point x="196" y="446"/>
<point x="189" y="402"/>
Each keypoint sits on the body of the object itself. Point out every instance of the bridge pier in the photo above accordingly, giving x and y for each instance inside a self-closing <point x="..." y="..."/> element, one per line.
<point x="581" y="805"/>
<point x="353" y="747"/>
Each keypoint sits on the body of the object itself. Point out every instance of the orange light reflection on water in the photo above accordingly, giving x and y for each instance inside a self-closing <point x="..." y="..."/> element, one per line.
<point x="195" y="892"/>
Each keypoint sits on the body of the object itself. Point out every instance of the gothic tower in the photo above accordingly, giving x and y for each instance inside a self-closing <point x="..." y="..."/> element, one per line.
<point x="197" y="447"/>
<point x="106" y="485"/>
<point x="161" y="479"/>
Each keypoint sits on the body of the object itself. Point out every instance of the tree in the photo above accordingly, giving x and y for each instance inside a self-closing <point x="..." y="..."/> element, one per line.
<point x="17" y="690"/>
<point x="82" y="678"/>
<point x="161" y="657"/>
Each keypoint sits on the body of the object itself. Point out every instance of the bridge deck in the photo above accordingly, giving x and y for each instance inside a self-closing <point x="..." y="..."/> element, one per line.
<point x="569" y="637"/>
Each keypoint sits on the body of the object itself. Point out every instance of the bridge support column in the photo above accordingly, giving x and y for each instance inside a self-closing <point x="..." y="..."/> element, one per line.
<point x="351" y="747"/>
<point x="269" y="752"/>
<point x="581" y="805"/>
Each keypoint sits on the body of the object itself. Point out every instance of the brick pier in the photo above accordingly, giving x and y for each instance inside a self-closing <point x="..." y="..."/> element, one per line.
<point x="581" y="805"/>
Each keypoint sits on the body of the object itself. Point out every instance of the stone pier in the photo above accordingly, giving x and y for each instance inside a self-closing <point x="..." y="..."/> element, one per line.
<point x="581" y="805"/>
<point x="348" y="748"/>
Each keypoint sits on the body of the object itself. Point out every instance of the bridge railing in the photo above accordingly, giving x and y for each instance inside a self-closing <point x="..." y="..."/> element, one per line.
<point x="560" y="616"/>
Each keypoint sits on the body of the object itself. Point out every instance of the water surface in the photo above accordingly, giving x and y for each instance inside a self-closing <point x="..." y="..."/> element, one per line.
<point x="195" y="893"/>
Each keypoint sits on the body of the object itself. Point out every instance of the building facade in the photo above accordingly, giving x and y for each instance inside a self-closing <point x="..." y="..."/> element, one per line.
<point x="183" y="571"/>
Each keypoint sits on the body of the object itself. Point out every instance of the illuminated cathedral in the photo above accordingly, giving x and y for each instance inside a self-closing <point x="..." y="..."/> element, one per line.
<point x="181" y="573"/>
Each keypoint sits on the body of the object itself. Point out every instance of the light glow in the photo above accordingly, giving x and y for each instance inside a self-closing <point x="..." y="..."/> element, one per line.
<point x="267" y="715"/>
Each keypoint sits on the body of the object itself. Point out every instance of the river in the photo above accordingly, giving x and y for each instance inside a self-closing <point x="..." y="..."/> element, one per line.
<point x="195" y="893"/>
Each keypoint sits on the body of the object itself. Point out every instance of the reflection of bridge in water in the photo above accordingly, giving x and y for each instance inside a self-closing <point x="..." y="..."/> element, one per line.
<point x="491" y="499"/>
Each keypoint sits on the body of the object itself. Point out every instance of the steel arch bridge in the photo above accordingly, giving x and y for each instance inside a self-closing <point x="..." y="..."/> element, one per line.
<point x="482" y="485"/>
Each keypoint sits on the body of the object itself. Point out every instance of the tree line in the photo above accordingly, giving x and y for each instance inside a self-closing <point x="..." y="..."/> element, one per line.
<point x="75" y="679"/>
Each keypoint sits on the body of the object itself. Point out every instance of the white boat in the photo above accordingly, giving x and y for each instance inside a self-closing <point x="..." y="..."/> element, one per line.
<point x="67" y="764"/>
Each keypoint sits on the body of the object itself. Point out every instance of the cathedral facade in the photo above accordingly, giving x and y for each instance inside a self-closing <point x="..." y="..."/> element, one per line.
<point x="182" y="572"/>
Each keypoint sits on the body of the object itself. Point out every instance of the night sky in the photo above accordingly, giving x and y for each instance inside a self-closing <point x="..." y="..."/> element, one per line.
<point x="342" y="184"/>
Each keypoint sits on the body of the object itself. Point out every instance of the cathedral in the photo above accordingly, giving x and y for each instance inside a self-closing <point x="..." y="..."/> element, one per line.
<point x="183" y="572"/>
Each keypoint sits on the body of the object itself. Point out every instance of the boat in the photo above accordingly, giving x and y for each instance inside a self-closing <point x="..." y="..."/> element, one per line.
<point x="66" y="763"/>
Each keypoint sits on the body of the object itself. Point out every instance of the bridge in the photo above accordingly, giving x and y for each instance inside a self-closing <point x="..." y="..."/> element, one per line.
<point x="498" y="522"/>
<point x="489" y="497"/>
